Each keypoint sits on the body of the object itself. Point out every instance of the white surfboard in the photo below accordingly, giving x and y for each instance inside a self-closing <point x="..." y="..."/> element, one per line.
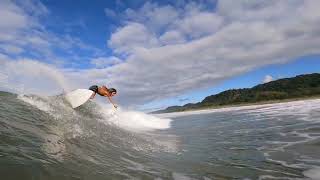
<point x="78" y="97"/>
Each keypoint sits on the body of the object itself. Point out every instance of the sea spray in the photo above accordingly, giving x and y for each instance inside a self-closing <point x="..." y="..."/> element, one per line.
<point x="133" y="120"/>
<point x="44" y="138"/>
<point x="85" y="122"/>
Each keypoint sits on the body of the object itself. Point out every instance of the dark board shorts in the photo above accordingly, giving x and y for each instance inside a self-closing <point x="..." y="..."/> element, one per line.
<point x="94" y="88"/>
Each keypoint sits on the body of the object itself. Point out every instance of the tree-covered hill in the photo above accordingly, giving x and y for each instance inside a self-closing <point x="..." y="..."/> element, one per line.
<point x="297" y="87"/>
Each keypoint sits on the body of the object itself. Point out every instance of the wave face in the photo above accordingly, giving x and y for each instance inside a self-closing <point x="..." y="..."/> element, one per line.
<point x="44" y="138"/>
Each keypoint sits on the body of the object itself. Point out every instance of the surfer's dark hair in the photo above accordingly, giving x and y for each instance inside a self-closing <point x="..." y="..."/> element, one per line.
<point x="111" y="90"/>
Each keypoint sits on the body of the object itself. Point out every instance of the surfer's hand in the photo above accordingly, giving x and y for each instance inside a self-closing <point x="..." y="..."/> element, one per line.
<point x="115" y="106"/>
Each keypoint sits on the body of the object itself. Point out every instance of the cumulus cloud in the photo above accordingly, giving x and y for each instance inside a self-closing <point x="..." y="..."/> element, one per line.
<point x="172" y="37"/>
<point x="103" y="62"/>
<point x="10" y="49"/>
<point x="12" y="19"/>
<point x="31" y="76"/>
<point x="22" y="30"/>
<point x="133" y="35"/>
<point x="153" y="16"/>
<point x="267" y="78"/>
<point x="199" y="47"/>
<point x="199" y="24"/>
<point x="17" y="19"/>
<point x="231" y="40"/>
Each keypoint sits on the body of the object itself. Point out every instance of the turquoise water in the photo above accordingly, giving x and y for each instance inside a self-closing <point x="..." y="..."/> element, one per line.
<point x="43" y="138"/>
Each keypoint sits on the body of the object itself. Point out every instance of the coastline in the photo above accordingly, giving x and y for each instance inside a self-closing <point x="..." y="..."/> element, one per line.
<point x="244" y="105"/>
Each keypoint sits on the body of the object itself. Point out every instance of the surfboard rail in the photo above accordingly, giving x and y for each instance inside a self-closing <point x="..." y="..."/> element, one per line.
<point x="78" y="97"/>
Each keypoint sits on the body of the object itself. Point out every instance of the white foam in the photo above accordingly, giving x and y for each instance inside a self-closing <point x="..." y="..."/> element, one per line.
<point x="129" y="120"/>
<point x="284" y="163"/>
<point x="42" y="105"/>
<point x="134" y="120"/>
<point x="47" y="104"/>
<point x="77" y="131"/>
<point x="273" y="177"/>
<point x="302" y="107"/>
<point x="284" y="144"/>
<point x="180" y="176"/>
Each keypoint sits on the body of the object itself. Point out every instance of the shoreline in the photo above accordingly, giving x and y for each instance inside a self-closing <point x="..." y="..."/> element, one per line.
<point x="244" y="104"/>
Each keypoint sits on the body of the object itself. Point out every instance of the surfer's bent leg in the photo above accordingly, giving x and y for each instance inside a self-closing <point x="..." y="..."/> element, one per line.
<point x="93" y="88"/>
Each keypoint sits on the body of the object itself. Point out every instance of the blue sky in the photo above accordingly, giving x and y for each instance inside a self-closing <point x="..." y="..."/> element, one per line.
<point x="302" y="65"/>
<point x="156" y="53"/>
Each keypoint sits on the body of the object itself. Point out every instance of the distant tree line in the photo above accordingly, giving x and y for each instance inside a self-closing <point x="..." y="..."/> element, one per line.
<point x="289" y="88"/>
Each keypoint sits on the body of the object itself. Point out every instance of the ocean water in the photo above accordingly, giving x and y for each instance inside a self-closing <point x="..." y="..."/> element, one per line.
<point x="44" y="138"/>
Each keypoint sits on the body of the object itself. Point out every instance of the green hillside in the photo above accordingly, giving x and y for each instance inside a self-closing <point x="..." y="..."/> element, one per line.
<point x="301" y="86"/>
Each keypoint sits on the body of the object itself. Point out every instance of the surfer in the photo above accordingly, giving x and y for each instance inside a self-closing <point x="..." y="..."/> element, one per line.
<point x="104" y="91"/>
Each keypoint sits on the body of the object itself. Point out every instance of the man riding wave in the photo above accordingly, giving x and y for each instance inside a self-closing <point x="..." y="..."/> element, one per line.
<point x="104" y="91"/>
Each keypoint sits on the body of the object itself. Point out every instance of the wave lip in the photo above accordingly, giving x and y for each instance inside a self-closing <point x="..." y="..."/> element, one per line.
<point x="129" y="120"/>
<point x="136" y="121"/>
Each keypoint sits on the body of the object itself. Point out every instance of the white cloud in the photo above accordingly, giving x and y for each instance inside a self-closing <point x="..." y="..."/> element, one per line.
<point x="3" y="58"/>
<point x="18" y="17"/>
<point x="199" y="24"/>
<point x="38" y="41"/>
<point x="234" y="39"/>
<point x="11" y="49"/>
<point x="33" y="7"/>
<point x="32" y="76"/>
<point x="172" y="37"/>
<point x="131" y="36"/>
<point x="253" y="10"/>
<point x="21" y="30"/>
<point x="166" y="58"/>
<point x="103" y="62"/>
<point x="153" y="16"/>
<point x="11" y="17"/>
<point x="267" y="78"/>
<point x="158" y="17"/>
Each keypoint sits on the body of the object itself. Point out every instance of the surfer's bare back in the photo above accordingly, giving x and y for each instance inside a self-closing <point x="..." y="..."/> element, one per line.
<point x="104" y="91"/>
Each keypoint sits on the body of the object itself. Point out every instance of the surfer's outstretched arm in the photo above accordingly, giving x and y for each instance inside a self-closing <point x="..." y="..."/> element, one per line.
<point x="114" y="105"/>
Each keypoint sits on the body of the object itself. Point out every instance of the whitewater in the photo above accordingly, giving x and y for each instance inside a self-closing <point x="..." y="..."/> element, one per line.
<point x="42" y="137"/>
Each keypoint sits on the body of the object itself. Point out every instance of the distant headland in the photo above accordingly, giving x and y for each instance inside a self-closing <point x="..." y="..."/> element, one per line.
<point x="287" y="89"/>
